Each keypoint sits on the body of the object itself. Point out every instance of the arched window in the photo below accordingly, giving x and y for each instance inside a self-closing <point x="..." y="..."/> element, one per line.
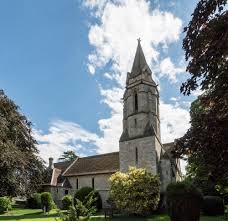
<point x="93" y="183"/>
<point x="136" y="102"/>
<point x="136" y="156"/>
<point x="77" y="183"/>
<point x="135" y="122"/>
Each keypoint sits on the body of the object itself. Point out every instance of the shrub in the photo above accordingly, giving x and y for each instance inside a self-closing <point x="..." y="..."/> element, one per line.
<point x="80" y="211"/>
<point x="136" y="192"/>
<point x="184" y="202"/>
<point x="84" y="192"/>
<point x="5" y="204"/>
<point x="213" y="205"/>
<point x="46" y="201"/>
<point x="67" y="202"/>
<point x="34" y="201"/>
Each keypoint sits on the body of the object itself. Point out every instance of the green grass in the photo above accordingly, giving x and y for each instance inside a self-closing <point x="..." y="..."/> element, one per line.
<point x="18" y="214"/>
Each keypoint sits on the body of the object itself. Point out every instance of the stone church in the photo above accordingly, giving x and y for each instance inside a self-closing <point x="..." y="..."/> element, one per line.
<point x="139" y="145"/>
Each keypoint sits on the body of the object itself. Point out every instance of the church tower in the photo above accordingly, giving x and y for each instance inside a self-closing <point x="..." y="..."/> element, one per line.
<point x="140" y="142"/>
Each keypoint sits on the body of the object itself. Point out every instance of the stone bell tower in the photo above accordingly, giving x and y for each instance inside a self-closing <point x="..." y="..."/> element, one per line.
<point x="140" y="143"/>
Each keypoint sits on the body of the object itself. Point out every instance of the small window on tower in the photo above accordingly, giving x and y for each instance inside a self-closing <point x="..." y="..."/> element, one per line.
<point x="135" y="122"/>
<point x="136" y="102"/>
<point x="93" y="183"/>
<point x="77" y="183"/>
<point x="136" y="156"/>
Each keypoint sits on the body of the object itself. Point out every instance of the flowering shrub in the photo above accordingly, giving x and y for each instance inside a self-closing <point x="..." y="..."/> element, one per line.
<point x="136" y="191"/>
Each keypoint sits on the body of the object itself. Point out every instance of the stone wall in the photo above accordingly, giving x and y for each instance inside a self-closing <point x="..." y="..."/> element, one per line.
<point x="101" y="184"/>
<point x="58" y="193"/>
<point x="148" y="151"/>
<point x="166" y="174"/>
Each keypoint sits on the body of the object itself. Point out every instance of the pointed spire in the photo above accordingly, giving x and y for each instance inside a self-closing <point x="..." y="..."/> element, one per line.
<point x="139" y="63"/>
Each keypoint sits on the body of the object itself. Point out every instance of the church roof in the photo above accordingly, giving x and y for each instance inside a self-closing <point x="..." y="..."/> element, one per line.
<point x="139" y="63"/>
<point x="98" y="164"/>
<point x="62" y="165"/>
<point x="56" y="178"/>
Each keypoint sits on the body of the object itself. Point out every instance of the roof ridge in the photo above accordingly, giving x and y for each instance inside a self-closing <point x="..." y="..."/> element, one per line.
<point x="98" y="155"/>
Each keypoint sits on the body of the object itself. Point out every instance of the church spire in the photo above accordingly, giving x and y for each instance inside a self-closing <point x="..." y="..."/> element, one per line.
<point x="139" y="63"/>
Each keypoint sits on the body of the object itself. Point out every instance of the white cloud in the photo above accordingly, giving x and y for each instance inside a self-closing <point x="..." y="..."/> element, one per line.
<point x="168" y="69"/>
<point x="197" y="92"/>
<point x="174" y="121"/>
<point x="113" y="35"/>
<point x="63" y="136"/>
<point x="119" y="25"/>
<point x="175" y="98"/>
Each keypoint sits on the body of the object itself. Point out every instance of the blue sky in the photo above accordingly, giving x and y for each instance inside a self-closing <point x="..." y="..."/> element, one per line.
<point x="65" y="62"/>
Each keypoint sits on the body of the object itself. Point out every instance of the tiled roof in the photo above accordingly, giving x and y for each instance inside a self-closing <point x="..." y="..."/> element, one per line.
<point x="56" y="177"/>
<point x="62" y="165"/>
<point x="104" y="163"/>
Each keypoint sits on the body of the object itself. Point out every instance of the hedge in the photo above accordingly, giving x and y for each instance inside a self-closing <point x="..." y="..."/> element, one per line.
<point x="67" y="202"/>
<point x="47" y="202"/>
<point x="34" y="201"/>
<point x="213" y="206"/>
<point x="84" y="192"/>
<point x="5" y="204"/>
<point x="184" y="202"/>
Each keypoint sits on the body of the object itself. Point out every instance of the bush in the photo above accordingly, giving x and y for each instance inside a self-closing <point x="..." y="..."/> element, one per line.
<point x="136" y="192"/>
<point x="84" y="192"/>
<point x="5" y="204"/>
<point x="34" y="201"/>
<point x="80" y="211"/>
<point x="184" y="202"/>
<point x="213" y="205"/>
<point x="67" y="202"/>
<point x="47" y="202"/>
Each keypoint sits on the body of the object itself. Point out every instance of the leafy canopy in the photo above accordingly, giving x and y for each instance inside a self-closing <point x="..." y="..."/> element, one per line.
<point x="206" y="50"/>
<point x="69" y="155"/>
<point x="21" y="170"/>
<point x="137" y="191"/>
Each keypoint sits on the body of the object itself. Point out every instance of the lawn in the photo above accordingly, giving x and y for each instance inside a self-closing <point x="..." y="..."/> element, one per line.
<point x="18" y="214"/>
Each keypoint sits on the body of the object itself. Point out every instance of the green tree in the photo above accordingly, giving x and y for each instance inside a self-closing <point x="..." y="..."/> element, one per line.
<point x="21" y="170"/>
<point x="137" y="191"/>
<point x="47" y="203"/>
<point x="206" y="50"/>
<point x="68" y="156"/>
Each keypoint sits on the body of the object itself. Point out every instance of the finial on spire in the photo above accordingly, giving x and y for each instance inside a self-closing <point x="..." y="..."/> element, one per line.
<point x="138" y="39"/>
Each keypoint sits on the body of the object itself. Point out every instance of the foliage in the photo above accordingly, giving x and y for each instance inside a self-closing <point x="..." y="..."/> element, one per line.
<point x="21" y="170"/>
<point x="197" y="174"/>
<point x="205" y="144"/>
<point x="205" y="46"/>
<point x="67" y="201"/>
<point x="223" y="192"/>
<point x="80" y="211"/>
<point x="34" y="201"/>
<point x="5" y="204"/>
<point x="37" y="215"/>
<point x="137" y="191"/>
<point x="184" y="202"/>
<point x="213" y="205"/>
<point x="68" y="156"/>
<point x="206" y="50"/>
<point x="46" y="201"/>
<point x="84" y="192"/>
